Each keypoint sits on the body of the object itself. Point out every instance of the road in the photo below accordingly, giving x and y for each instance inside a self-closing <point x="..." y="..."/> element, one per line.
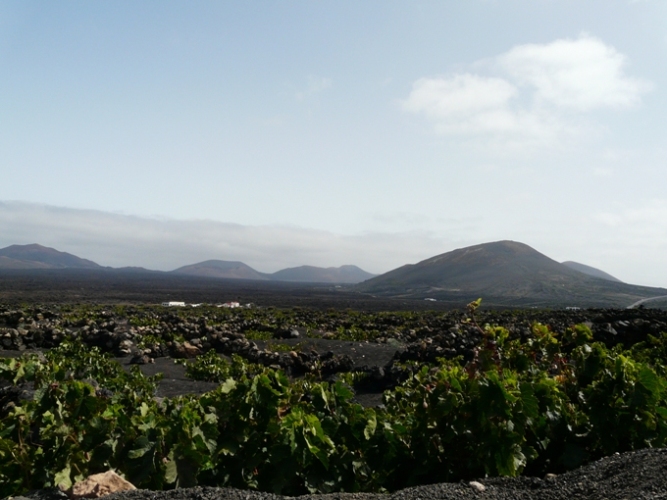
<point x="632" y="306"/>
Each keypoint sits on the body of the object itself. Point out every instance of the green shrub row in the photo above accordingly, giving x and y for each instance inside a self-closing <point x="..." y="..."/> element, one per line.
<point x="543" y="405"/>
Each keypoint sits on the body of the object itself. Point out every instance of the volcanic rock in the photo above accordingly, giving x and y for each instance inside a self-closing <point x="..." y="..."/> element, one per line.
<point x="99" y="485"/>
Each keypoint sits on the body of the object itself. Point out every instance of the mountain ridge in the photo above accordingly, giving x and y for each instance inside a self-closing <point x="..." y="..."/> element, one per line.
<point x="35" y="256"/>
<point x="347" y="274"/>
<point x="505" y="273"/>
<point x="221" y="269"/>
<point x="592" y="271"/>
<point x="38" y="257"/>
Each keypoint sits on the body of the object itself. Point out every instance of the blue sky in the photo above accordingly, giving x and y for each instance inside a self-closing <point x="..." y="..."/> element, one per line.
<point x="326" y="133"/>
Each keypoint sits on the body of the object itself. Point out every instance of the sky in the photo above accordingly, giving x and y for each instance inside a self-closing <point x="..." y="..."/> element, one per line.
<point x="375" y="133"/>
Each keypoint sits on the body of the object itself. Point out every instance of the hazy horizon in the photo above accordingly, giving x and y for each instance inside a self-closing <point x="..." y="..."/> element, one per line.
<point x="381" y="133"/>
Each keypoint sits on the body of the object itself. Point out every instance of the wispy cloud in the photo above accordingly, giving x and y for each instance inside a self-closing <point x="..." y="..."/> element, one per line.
<point x="537" y="95"/>
<point x="314" y="85"/>
<point x="646" y="223"/>
<point x="122" y="240"/>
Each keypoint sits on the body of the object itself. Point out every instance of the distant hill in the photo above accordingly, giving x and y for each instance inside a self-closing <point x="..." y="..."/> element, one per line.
<point x="591" y="271"/>
<point x="503" y="273"/>
<point x="39" y="257"/>
<point x="303" y="274"/>
<point x="312" y="274"/>
<point x="221" y="269"/>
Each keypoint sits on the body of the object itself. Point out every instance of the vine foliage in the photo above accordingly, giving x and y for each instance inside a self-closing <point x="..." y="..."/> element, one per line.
<point x="546" y="403"/>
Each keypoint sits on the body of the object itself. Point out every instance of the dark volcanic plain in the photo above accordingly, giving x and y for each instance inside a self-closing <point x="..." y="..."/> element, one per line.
<point x="640" y="475"/>
<point x="114" y="286"/>
<point x="637" y="475"/>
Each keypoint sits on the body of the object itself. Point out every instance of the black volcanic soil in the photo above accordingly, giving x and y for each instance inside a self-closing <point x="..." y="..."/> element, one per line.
<point x="637" y="475"/>
<point x="76" y="286"/>
<point x="640" y="475"/>
<point x="175" y="382"/>
<point x="58" y="287"/>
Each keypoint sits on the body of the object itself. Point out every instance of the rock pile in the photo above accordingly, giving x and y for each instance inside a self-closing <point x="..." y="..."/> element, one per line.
<point x="163" y="333"/>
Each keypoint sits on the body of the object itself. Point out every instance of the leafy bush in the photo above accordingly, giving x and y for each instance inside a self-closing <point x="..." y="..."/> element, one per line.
<point x="544" y="403"/>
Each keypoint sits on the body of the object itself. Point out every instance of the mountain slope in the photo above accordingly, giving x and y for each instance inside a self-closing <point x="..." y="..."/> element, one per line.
<point x="503" y="273"/>
<point x="36" y="256"/>
<point x="221" y="269"/>
<point x="591" y="271"/>
<point x="312" y="274"/>
<point x="9" y="263"/>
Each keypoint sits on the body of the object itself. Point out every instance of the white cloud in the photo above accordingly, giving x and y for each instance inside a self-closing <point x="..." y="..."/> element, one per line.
<point x="467" y="104"/>
<point x="581" y="74"/>
<point x="459" y="95"/>
<point x="123" y="240"/>
<point x="464" y="103"/>
<point x="538" y="97"/>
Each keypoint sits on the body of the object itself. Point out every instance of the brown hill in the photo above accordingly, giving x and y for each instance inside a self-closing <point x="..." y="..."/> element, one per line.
<point x="504" y="273"/>
<point x="39" y="257"/>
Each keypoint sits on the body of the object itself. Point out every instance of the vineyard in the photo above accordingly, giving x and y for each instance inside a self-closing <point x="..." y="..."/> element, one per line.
<point x="467" y="394"/>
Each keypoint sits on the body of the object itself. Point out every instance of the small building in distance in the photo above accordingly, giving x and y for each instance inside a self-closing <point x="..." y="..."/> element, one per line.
<point x="173" y="304"/>
<point x="230" y="305"/>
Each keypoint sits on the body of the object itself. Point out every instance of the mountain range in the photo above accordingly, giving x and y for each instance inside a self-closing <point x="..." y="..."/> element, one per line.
<point x="503" y="273"/>
<point x="303" y="274"/>
<point x="36" y="256"/>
